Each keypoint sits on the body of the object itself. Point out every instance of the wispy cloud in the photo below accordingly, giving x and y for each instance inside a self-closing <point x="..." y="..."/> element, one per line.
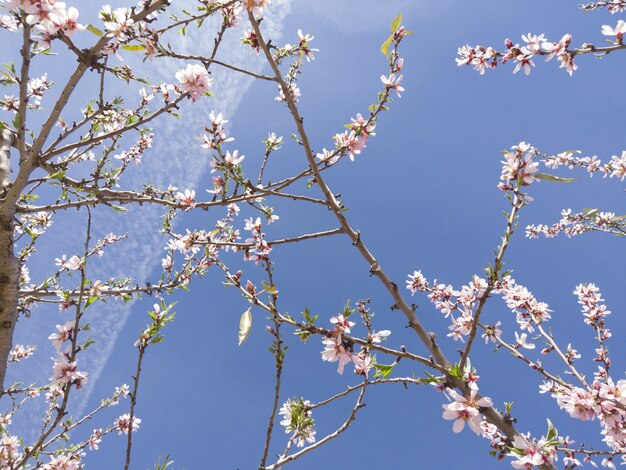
<point x="174" y="159"/>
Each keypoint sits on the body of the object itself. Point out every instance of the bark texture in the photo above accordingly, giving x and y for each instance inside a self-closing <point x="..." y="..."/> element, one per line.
<point x="9" y="265"/>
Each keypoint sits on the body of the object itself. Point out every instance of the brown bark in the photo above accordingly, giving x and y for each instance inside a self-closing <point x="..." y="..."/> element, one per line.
<point x="9" y="266"/>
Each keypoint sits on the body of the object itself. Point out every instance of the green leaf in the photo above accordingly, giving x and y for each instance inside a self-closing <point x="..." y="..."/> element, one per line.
<point x="383" y="370"/>
<point x="58" y="175"/>
<point x="552" y="432"/>
<point x="395" y="24"/>
<point x="590" y="212"/>
<point x="134" y="47"/>
<point x="269" y="288"/>
<point x="554" y="179"/>
<point x="245" y="325"/>
<point x="92" y="29"/>
<point x="90" y="301"/>
<point x="384" y="48"/>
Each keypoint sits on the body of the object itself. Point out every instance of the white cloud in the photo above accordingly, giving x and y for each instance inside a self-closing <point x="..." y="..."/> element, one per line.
<point x="174" y="159"/>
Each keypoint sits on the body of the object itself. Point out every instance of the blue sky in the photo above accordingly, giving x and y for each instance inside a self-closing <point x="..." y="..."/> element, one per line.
<point x="423" y="194"/>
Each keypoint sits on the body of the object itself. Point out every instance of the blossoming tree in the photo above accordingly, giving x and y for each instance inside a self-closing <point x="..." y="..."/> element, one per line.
<point x="49" y="166"/>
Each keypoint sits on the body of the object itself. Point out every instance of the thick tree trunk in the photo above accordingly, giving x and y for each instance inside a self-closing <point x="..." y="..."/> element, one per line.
<point x="9" y="265"/>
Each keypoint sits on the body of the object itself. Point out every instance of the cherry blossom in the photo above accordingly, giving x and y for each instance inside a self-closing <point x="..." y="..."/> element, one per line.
<point x="187" y="199"/>
<point x="122" y="424"/>
<point x="294" y="91"/>
<point x="73" y="264"/>
<point x="297" y="420"/>
<point x="334" y="351"/>
<point x="342" y="325"/>
<point x="392" y="82"/>
<point x="64" y="333"/>
<point x="304" y="40"/>
<point x="64" y="462"/>
<point x="19" y="352"/>
<point x="618" y="31"/>
<point x="531" y="454"/>
<point x="465" y="410"/>
<point x="64" y="372"/>
<point x="521" y="341"/>
<point x="194" y="79"/>
<point x="377" y="336"/>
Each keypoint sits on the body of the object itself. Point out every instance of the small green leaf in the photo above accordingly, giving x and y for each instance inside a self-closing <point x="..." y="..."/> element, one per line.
<point x="554" y="179"/>
<point x="58" y="175"/>
<point x="90" y="301"/>
<point x="92" y="29"/>
<point x="552" y="432"/>
<point x="245" y="325"/>
<point x="590" y="212"/>
<point x="383" y="370"/>
<point x="397" y="21"/>
<point x="134" y="47"/>
<point x="384" y="48"/>
<point x="269" y="289"/>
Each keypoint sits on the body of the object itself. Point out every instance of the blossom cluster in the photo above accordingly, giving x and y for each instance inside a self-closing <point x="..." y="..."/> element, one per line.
<point x="351" y="141"/>
<point x="338" y="349"/>
<point x="47" y="17"/>
<point x="123" y="424"/>
<point x="19" y="352"/>
<point x="518" y="167"/>
<point x="613" y="6"/>
<point x="194" y="80"/>
<point x="260" y="249"/>
<point x="447" y="300"/>
<point x="216" y="132"/>
<point x="297" y="419"/>
<point x="483" y="58"/>
<point x="465" y="410"/>
<point x="615" y="167"/>
<point x="604" y="399"/>
<point x="136" y="151"/>
<point x="572" y="224"/>
<point x="64" y="371"/>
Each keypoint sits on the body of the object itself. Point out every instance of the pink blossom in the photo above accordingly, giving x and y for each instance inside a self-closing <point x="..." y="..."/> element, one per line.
<point x="342" y="325"/>
<point x="122" y="424"/>
<point x="335" y="351"/>
<point x="187" y="199"/>
<point x="618" y="31"/>
<point x="64" y="371"/>
<point x="304" y="40"/>
<point x="64" y="333"/>
<point x="362" y="363"/>
<point x="69" y="23"/>
<point x="392" y="83"/>
<point x="118" y="22"/>
<point x="95" y="439"/>
<point x="618" y="166"/>
<point x="64" y="462"/>
<point x="377" y="336"/>
<point x="577" y="402"/>
<point x="521" y="341"/>
<point x="533" y="454"/>
<point x="416" y="282"/>
<point x="525" y="63"/>
<point x="194" y="79"/>
<point x="72" y="264"/>
<point x="492" y="333"/>
<point x="465" y="410"/>
<point x="293" y="90"/>
<point x="556" y="49"/>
